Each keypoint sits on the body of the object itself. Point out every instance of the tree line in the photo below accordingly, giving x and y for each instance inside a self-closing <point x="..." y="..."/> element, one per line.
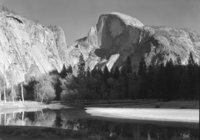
<point x="163" y="82"/>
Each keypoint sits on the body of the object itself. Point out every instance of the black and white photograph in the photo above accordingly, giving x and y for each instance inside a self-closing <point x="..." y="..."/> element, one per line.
<point x="99" y="69"/>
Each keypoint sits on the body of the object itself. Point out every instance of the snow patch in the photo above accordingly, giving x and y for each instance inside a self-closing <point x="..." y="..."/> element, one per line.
<point x="171" y="115"/>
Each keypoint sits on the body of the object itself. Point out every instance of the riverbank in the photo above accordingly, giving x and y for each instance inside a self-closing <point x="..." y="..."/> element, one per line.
<point x="148" y="110"/>
<point x="29" y="105"/>
<point x="172" y="114"/>
<point x="141" y="114"/>
<point x="175" y="111"/>
<point x="42" y="133"/>
<point x="176" y="104"/>
<point x="113" y="115"/>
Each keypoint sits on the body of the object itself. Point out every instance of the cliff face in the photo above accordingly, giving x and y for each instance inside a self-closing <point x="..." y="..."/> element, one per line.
<point x="117" y="36"/>
<point x="28" y="48"/>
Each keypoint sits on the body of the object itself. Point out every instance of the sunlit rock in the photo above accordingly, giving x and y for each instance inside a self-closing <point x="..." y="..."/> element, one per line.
<point x="117" y="36"/>
<point x="27" y="47"/>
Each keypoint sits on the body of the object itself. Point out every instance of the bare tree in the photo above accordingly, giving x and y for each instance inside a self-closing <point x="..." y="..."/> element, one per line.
<point x="2" y="87"/>
<point x="12" y="81"/>
<point x="44" y="90"/>
<point x="22" y="92"/>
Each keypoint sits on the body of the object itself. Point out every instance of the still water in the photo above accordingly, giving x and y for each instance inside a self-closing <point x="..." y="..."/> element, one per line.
<point x="78" y="119"/>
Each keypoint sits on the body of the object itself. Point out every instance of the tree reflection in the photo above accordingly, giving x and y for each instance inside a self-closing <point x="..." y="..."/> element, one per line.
<point x="102" y="128"/>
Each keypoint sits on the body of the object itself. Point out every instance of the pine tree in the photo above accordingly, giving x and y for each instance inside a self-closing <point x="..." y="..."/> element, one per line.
<point x="63" y="72"/>
<point x="116" y="73"/>
<point x="159" y="81"/>
<point x="184" y="89"/>
<point x="81" y="67"/>
<point x="123" y="71"/>
<point x="169" y="69"/>
<point x="197" y="82"/>
<point x="94" y="71"/>
<point x="100" y="72"/>
<point x="106" y="74"/>
<point x="128" y="65"/>
<point x="125" y="82"/>
<point x="112" y="72"/>
<point x="142" y="68"/>
<point x="81" y="77"/>
<point x="191" y="74"/>
<point x="191" y="59"/>
<point x="149" y="81"/>
<point x="177" y="74"/>
<point x="126" y="86"/>
<point x="88" y="72"/>
<point x="143" y="72"/>
<point x="88" y="80"/>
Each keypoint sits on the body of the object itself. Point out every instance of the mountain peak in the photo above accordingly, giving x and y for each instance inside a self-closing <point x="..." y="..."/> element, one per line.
<point x="128" y="19"/>
<point x="117" y="36"/>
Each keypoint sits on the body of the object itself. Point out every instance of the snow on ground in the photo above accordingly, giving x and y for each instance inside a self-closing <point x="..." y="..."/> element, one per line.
<point x="174" y="115"/>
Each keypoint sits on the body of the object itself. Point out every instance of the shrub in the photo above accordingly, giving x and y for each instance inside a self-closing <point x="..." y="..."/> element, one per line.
<point x="183" y="107"/>
<point x="44" y="89"/>
<point x="157" y="106"/>
<point x="69" y="95"/>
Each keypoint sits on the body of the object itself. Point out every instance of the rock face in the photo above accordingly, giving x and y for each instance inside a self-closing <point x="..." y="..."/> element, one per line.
<point x="28" y="48"/>
<point x="117" y="36"/>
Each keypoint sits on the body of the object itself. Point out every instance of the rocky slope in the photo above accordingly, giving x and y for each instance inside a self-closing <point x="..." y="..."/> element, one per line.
<point x="117" y="36"/>
<point x="28" y="48"/>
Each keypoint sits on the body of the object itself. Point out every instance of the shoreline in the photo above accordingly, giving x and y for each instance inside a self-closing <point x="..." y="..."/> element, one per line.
<point x="120" y="113"/>
<point x="152" y="103"/>
<point x="175" y="104"/>
<point x="139" y="111"/>
<point x="159" y="115"/>
<point x="26" y="105"/>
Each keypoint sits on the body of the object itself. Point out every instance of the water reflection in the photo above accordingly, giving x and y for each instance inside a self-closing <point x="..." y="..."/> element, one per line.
<point x="38" y="118"/>
<point x="68" y="119"/>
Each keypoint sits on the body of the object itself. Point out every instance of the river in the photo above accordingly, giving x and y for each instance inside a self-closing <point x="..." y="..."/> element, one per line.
<point x="79" y="119"/>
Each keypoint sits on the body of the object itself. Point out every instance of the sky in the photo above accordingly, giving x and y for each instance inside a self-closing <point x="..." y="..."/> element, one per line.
<point x="76" y="17"/>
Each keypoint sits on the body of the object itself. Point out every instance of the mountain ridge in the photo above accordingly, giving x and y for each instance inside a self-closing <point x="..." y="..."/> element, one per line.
<point x="28" y="48"/>
<point x="115" y="37"/>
